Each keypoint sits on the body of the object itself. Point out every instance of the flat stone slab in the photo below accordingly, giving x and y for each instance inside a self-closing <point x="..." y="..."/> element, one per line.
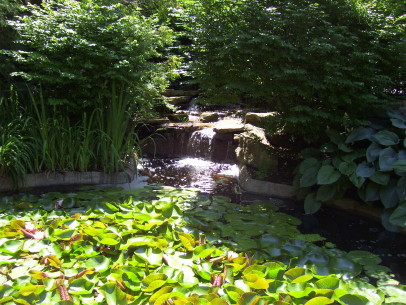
<point x="229" y="126"/>
<point x="176" y="100"/>
<point x="69" y="178"/>
<point x="266" y="188"/>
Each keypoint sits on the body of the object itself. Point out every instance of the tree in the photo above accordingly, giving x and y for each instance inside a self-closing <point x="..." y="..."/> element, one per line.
<point x="318" y="63"/>
<point x="76" y="50"/>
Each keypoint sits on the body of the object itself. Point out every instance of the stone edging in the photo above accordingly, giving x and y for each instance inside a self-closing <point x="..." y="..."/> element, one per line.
<point x="69" y="178"/>
<point x="266" y="188"/>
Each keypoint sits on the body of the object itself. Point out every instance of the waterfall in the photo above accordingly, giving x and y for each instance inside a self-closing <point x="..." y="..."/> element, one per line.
<point x="200" y="143"/>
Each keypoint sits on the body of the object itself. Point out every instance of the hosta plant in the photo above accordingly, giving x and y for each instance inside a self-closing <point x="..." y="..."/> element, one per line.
<point x="368" y="163"/>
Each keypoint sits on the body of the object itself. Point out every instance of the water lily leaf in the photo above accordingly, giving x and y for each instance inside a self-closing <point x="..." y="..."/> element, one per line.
<point x="152" y="256"/>
<point x="203" y="251"/>
<point x="327" y="175"/>
<point x="294" y="273"/>
<point x="187" y="241"/>
<point x="311" y="204"/>
<point x="109" y="241"/>
<point x="348" y="268"/>
<point x="51" y="260"/>
<point x="157" y="297"/>
<point x="234" y="293"/>
<point x="364" y="257"/>
<point x="113" y="294"/>
<point x="373" y="152"/>
<point x="255" y="282"/>
<point x="319" y="301"/>
<point x="80" y="287"/>
<point x="248" y="298"/>
<point x="398" y="216"/>
<point x="386" y="159"/>
<point x="11" y="246"/>
<point x="302" y="279"/>
<point x="365" y="171"/>
<point x="386" y="138"/>
<point x="354" y="299"/>
<point x="99" y="263"/>
<point x="396" y="294"/>
<point x="154" y="285"/>
<point x="359" y="133"/>
<point x="330" y="282"/>
<point x="32" y="289"/>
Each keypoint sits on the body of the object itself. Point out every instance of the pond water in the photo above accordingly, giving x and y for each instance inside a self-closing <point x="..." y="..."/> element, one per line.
<point x="348" y="232"/>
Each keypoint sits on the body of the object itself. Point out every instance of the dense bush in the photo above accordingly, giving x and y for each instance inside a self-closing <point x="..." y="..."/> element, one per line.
<point x="319" y="63"/>
<point x="77" y="49"/>
<point x="368" y="163"/>
<point x="8" y="9"/>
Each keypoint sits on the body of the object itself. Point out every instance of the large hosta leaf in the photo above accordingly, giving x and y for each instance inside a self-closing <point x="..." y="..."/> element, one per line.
<point x="389" y="194"/>
<point x="311" y="204"/>
<point x="386" y="138"/>
<point x="373" y="152"/>
<point x="359" y="133"/>
<point x="398" y="216"/>
<point x="386" y="159"/>
<point x="364" y="170"/>
<point x="327" y="174"/>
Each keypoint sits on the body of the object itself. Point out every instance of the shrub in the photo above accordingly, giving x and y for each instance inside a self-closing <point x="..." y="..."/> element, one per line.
<point x="318" y="63"/>
<point x="77" y="49"/>
<point x="370" y="161"/>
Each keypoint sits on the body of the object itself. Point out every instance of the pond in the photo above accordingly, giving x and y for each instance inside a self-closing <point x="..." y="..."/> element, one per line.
<point x="348" y="232"/>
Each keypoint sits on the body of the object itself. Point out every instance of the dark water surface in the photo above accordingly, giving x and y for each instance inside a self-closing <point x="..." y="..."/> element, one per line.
<point x="348" y="232"/>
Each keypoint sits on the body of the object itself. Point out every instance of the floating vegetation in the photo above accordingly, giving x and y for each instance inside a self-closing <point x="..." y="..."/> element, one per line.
<point x="170" y="246"/>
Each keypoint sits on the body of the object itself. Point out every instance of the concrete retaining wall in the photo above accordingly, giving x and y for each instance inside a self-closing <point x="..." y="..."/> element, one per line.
<point x="69" y="178"/>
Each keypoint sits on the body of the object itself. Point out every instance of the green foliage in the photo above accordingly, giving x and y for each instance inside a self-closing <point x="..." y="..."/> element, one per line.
<point x="15" y="151"/>
<point x="108" y="246"/>
<point x="8" y="9"/>
<point x="42" y="138"/>
<point x="318" y="63"/>
<point x="369" y="159"/>
<point x="78" y="49"/>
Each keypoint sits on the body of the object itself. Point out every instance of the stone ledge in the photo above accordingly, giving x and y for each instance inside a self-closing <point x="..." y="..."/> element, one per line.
<point x="260" y="187"/>
<point x="69" y="178"/>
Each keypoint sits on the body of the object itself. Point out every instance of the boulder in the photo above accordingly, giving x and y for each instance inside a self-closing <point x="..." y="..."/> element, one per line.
<point x="254" y="150"/>
<point x="258" y="118"/>
<point x="207" y="117"/>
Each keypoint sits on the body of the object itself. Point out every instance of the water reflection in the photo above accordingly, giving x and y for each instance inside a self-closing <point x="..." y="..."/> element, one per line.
<point x="207" y="176"/>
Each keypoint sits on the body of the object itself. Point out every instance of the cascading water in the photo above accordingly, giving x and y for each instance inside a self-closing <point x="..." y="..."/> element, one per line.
<point x="200" y="143"/>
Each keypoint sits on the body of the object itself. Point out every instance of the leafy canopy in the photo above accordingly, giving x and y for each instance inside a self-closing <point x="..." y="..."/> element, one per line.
<point x="78" y="49"/>
<point x="318" y="63"/>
